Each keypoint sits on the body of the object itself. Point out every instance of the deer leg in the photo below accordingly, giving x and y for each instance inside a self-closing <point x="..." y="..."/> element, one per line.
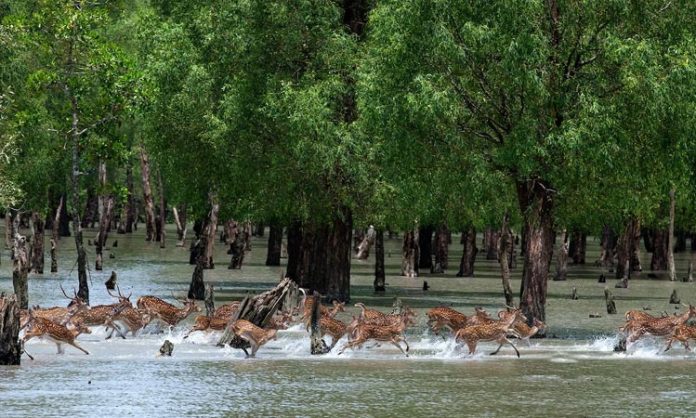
<point x="512" y="345"/>
<point x="472" y="347"/>
<point x="396" y="343"/>
<point x="74" y="344"/>
<point x="669" y="344"/>
<point x="254" y="348"/>
<point x="60" y="348"/>
<point x="497" y="349"/>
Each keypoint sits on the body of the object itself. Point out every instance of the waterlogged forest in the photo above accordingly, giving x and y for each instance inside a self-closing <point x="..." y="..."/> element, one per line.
<point x="351" y="201"/>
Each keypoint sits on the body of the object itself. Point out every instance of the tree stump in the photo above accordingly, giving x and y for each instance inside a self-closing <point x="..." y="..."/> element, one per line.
<point x="209" y="300"/>
<point x="674" y="298"/>
<point x="317" y="345"/>
<point x="10" y="346"/>
<point x="620" y="346"/>
<point x="574" y="294"/>
<point x="611" y="305"/>
<point x="111" y="283"/>
<point x="260" y="309"/>
<point x="166" y="349"/>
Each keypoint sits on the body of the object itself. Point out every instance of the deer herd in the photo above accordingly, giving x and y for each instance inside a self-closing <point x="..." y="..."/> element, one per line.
<point x="62" y="325"/>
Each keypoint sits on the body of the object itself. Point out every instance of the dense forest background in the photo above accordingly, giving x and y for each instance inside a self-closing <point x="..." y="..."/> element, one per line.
<point x="554" y="119"/>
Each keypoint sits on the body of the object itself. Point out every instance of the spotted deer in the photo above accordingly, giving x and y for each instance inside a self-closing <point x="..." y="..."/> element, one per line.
<point x="445" y="317"/>
<point x="660" y="327"/>
<point x="59" y="334"/>
<point x="682" y="333"/>
<point x="525" y="332"/>
<point x="205" y="323"/>
<point x="101" y="314"/>
<point x="496" y="331"/>
<point x="336" y="329"/>
<point x="308" y="304"/>
<point x="165" y="311"/>
<point x="255" y="336"/>
<point x="389" y="333"/>
<point x="226" y="311"/>
<point x="133" y="319"/>
<point x="56" y="314"/>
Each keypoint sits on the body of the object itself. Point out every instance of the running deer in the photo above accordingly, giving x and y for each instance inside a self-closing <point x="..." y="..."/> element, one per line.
<point x="165" y="311"/>
<point x="134" y="319"/>
<point x="390" y="333"/>
<point x="101" y="314"/>
<point x="660" y="327"/>
<point x="375" y="317"/>
<point x="255" y="336"/>
<point x="56" y="314"/>
<point x="308" y="304"/>
<point x="682" y="333"/>
<point x="336" y="329"/>
<point x="59" y="334"/>
<point x="525" y="332"/>
<point x="205" y="323"/>
<point x="226" y="311"/>
<point x="496" y="331"/>
<point x="444" y="317"/>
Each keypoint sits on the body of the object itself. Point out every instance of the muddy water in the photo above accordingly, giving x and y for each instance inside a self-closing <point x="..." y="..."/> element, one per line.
<point x="576" y="373"/>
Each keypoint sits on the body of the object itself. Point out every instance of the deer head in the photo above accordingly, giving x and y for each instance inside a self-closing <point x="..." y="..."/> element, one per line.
<point x="122" y="300"/>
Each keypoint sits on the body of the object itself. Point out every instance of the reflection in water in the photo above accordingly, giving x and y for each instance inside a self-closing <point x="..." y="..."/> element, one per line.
<point x="576" y="374"/>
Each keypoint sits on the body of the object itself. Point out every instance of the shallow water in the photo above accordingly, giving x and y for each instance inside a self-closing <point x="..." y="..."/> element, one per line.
<point x="576" y="373"/>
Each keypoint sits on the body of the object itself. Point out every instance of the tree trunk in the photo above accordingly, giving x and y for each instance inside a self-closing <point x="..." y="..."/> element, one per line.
<point x="647" y="234"/>
<point x="680" y="241"/>
<point x="358" y="238"/>
<point x="106" y="206"/>
<point x="91" y="209"/>
<point x="490" y="243"/>
<point x="37" y="260"/>
<point x="197" y="286"/>
<point x="366" y="244"/>
<point x="20" y="270"/>
<point x="505" y="257"/>
<point x="628" y="255"/>
<point x="83" y="290"/>
<point x="54" y="259"/>
<point x="236" y="238"/>
<point x="562" y="259"/>
<point x="162" y="211"/>
<point x="670" y="238"/>
<point x="64" y="219"/>
<point x="128" y="211"/>
<point x="295" y="253"/>
<point x="536" y="203"/>
<point x="425" y="247"/>
<point x="608" y="246"/>
<point x="466" y="265"/>
<point x="180" y="222"/>
<point x="326" y="254"/>
<point x="209" y="232"/>
<point x="10" y="346"/>
<point x="275" y="242"/>
<point x="8" y="229"/>
<point x="317" y="345"/>
<point x="660" y="241"/>
<point x="379" y="261"/>
<point x="259" y="230"/>
<point x="147" y="196"/>
<point x="442" y="238"/>
<point x="410" y="250"/>
<point x="577" y="247"/>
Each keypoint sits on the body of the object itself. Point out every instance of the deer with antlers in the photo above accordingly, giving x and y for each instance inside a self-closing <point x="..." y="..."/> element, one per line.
<point x="101" y="314"/>
<point x="308" y="304"/>
<point x="660" y="327"/>
<point x="59" y="334"/>
<point x="255" y="336"/>
<point x="495" y="331"/>
<point x="445" y="317"/>
<point x="56" y="314"/>
<point x="133" y="319"/>
<point x="165" y="311"/>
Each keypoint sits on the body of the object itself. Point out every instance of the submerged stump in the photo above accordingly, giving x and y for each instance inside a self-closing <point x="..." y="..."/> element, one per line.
<point x="611" y="305"/>
<point x="317" y="345"/>
<point x="10" y="346"/>
<point x="674" y="298"/>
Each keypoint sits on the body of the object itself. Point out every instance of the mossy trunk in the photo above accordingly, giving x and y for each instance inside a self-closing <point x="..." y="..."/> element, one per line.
<point x="490" y="243"/>
<point x="505" y="244"/>
<point x="562" y="259"/>
<point x="20" y="270"/>
<point x="147" y="196"/>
